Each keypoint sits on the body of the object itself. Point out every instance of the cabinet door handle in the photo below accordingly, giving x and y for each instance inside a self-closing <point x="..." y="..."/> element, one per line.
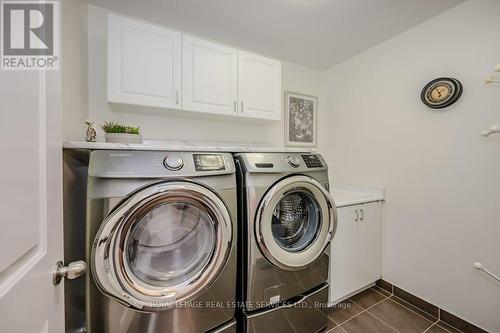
<point x="234" y="106"/>
<point x="177" y="97"/>
<point x="362" y="214"/>
<point x="356" y="216"/>
<point x="241" y="106"/>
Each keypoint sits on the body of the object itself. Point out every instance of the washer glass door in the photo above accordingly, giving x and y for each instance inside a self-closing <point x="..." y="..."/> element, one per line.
<point x="295" y="222"/>
<point x="170" y="243"/>
<point x="166" y="243"/>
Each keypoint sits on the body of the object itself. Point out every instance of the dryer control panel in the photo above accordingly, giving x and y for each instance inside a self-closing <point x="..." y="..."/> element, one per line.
<point x="312" y="161"/>
<point x="282" y="162"/>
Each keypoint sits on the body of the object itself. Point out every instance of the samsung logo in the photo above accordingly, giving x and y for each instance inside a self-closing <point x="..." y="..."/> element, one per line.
<point x="120" y="155"/>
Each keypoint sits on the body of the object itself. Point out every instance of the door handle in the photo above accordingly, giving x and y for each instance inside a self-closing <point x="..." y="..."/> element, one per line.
<point x="362" y="214"/>
<point x="241" y="106"/>
<point x="356" y="216"/>
<point x="177" y="97"/>
<point x="234" y="106"/>
<point x="72" y="271"/>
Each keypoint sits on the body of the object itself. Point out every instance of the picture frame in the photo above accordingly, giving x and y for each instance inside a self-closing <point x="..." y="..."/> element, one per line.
<point x="301" y="120"/>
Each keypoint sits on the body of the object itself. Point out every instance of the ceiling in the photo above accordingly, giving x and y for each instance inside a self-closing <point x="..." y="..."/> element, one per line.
<point x="315" y="33"/>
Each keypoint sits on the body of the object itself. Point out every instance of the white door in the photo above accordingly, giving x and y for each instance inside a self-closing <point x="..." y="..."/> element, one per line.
<point x="259" y="86"/>
<point x="209" y="77"/>
<point x="369" y="244"/>
<point x="343" y="275"/>
<point x="144" y="64"/>
<point x="31" y="202"/>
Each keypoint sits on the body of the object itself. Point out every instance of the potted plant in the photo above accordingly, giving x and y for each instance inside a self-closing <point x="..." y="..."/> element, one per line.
<point x="117" y="133"/>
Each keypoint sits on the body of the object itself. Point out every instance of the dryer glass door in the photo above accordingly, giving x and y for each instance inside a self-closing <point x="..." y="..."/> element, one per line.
<point x="295" y="222"/>
<point x="165" y="244"/>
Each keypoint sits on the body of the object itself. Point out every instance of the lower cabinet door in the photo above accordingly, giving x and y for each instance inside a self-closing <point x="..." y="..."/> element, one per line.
<point x="356" y="250"/>
<point x="369" y="243"/>
<point x="343" y="275"/>
<point x="302" y="315"/>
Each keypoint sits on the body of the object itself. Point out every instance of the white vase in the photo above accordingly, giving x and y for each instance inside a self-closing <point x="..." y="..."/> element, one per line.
<point x="122" y="138"/>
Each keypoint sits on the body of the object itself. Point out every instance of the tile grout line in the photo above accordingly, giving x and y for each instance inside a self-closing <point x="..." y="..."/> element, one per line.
<point x="438" y="317"/>
<point x="407" y="302"/>
<point x="380" y="292"/>
<point x="385" y="299"/>
<point x="369" y="313"/>
<point x="364" y="310"/>
<point x="447" y="330"/>
<point x="428" y="328"/>
<point x="379" y="319"/>
<point x="413" y="310"/>
<point x="333" y="321"/>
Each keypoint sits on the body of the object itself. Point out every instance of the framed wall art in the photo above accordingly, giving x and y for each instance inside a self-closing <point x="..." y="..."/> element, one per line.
<point x="301" y="120"/>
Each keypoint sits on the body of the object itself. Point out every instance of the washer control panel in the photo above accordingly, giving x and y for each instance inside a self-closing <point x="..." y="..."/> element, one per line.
<point x="312" y="161"/>
<point x="208" y="162"/>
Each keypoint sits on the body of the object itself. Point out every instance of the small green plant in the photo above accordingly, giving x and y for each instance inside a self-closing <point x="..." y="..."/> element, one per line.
<point x="112" y="127"/>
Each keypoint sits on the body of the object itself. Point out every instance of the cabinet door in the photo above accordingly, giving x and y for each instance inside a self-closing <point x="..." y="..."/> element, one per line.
<point x="369" y="243"/>
<point x="144" y="64"/>
<point x="343" y="273"/>
<point x="259" y="86"/>
<point x="209" y="77"/>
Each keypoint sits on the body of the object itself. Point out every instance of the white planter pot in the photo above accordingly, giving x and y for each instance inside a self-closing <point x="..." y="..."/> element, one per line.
<point x="123" y="138"/>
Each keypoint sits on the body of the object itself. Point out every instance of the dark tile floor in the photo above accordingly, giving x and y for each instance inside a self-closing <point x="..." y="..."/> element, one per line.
<point x="375" y="310"/>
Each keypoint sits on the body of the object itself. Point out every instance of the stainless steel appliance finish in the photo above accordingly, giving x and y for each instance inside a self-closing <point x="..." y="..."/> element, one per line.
<point x="301" y="314"/>
<point x="160" y="238"/>
<point x="289" y="219"/>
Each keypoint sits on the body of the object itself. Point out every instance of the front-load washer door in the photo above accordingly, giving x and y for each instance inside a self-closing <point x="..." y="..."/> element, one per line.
<point x="295" y="222"/>
<point x="163" y="245"/>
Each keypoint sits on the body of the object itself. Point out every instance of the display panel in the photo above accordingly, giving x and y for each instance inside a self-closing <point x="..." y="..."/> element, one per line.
<point x="208" y="162"/>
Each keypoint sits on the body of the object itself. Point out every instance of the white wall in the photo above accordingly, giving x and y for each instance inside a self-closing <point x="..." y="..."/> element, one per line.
<point x="442" y="177"/>
<point x="74" y="68"/>
<point x="295" y="78"/>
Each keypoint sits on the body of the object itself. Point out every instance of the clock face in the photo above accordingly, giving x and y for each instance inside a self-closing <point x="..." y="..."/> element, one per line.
<point x="441" y="92"/>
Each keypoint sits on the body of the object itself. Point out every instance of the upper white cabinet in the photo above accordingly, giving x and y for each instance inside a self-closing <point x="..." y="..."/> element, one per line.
<point x="144" y="64"/>
<point x="259" y="86"/>
<point x="209" y="77"/>
<point x="155" y="67"/>
<point x="356" y="257"/>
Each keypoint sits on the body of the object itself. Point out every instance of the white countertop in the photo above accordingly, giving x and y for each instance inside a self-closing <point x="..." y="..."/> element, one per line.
<point x="349" y="194"/>
<point x="183" y="146"/>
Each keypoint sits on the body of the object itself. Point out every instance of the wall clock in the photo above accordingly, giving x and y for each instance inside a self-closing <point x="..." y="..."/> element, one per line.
<point x="441" y="92"/>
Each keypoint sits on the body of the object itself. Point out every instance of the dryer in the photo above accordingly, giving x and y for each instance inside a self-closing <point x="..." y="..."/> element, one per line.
<point x="288" y="220"/>
<point x="161" y="240"/>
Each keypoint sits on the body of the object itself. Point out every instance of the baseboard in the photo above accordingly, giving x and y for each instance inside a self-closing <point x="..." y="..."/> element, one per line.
<point x="445" y="317"/>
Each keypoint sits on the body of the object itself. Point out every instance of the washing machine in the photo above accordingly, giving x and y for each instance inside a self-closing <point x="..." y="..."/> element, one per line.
<point x="288" y="221"/>
<point x="161" y="242"/>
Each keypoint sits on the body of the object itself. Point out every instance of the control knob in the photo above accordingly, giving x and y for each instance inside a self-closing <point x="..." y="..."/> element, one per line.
<point x="294" y="161"/>
<point x="173" y="162"/>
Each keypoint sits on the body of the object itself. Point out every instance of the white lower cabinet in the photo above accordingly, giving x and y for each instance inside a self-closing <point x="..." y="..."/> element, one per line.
<point x="356" y="251"/>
